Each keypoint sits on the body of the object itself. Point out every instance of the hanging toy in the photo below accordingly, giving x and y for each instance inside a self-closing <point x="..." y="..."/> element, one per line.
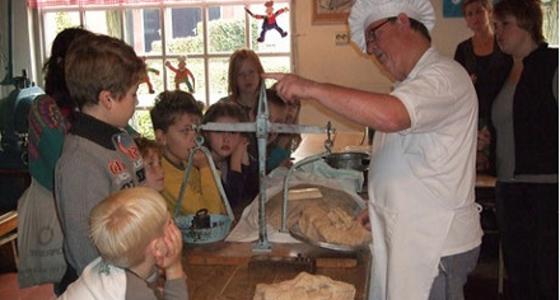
<point x="182" y="74"/>
<point x="146" y="78"/>
<point x="269" y="20"/>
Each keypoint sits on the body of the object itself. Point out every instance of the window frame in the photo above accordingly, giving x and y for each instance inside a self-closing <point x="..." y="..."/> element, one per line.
<point x="163" y="8"/>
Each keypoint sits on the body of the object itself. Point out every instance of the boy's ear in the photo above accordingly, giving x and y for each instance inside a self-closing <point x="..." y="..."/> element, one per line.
<point x="105" y="99"/>
<point x="158" y="250"/>
<point x="160" y="137"/>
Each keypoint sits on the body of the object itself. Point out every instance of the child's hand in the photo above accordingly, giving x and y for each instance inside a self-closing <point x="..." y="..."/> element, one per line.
<point x="168" y="63"/>
<point x="363" y="218"/>
<point x="169" y="257"/>
<point x="199" y="160"/>
<point x="287" y="163"/>
<point x="239" y="155"/>
<point x="484" y="138"/>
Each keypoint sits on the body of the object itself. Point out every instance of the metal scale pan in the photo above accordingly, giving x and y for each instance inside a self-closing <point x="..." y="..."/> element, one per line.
<point x="331" y="198"/>
<point x="295" y="232"/>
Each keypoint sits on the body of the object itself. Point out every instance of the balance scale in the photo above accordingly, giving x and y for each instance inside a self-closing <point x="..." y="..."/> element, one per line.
<point x="261" y="127"/>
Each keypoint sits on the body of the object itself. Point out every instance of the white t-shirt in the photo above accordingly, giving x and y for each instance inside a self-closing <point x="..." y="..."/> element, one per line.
<point x="432" y="164"/>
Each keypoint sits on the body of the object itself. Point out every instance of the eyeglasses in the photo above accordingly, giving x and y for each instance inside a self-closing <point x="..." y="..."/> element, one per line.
<point x="370" y="34"/>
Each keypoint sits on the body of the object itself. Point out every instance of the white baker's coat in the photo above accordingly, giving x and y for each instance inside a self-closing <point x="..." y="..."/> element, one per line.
<point x="421" y="181"/>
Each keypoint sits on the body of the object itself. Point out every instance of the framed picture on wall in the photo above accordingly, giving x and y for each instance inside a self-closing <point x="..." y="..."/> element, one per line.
<point x="331" y="11"/>
<point x="453" y="8"/>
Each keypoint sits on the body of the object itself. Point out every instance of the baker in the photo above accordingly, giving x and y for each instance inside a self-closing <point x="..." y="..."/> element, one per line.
<point x="425" y="224"/>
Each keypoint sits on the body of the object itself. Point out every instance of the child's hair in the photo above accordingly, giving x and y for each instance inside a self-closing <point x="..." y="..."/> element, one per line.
<point x="271" y="98"/>
<point x="123" y="225"/>
<point x="146" y="145"/>
<point x="171" y="104"/>
<point x="95" y="63"/>
<point x="224" y="109"/>
<point x="55" y="84"/>
<point x="235" y="61"/>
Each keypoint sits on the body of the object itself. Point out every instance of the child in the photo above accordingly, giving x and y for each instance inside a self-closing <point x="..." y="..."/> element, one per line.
<point x="244" y="79"/>
<point x="135" y="235"/>
<point x="173" y="115"/>
<point x="151" y="155"/>
<point x="278" y="113"/>
<point x="229" y="150"/>
<point x="98" y="157"/>
<point x="49" y="120"/>
<point x="288" y="141"/>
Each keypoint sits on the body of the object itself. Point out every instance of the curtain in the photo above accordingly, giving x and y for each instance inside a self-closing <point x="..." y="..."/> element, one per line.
<point x="80" y="3"/>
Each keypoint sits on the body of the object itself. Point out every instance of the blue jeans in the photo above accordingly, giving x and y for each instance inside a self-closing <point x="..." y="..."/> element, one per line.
<point x="452" y="276"/>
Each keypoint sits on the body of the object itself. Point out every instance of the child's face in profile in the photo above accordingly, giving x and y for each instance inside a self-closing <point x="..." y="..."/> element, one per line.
<point x="292" y="112"/>
<point x="122" y="109"/>
<point x="277" y="114"/>
<point x="248" y="77"/>
<point x="179" y="138"/>
<point x="154" y="170"/>
<point x="222" y="143"/>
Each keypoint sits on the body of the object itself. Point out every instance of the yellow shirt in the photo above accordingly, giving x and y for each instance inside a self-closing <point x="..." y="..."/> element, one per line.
<point x="201" y="190"/>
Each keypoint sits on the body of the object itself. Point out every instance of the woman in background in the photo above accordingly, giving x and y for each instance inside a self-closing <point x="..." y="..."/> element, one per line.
<point x="525" y="115"/>
<point x="488" y="66"/>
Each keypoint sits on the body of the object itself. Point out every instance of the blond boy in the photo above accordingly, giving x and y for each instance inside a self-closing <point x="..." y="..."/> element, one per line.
<point x="135" y="236"/>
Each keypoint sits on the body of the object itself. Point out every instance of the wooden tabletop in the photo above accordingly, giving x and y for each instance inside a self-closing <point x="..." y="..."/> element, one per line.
<point x="8" y="222"/>
<point x="232" y="270"/>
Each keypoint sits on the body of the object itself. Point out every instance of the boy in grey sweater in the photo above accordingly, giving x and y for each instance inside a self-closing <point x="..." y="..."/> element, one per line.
<point x="98" y="157"/>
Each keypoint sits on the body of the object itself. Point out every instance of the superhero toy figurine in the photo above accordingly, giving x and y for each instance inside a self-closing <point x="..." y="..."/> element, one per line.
<point x="146" y="79"/>
<point x="182" y="74"/>
<point x="269" y="20"/>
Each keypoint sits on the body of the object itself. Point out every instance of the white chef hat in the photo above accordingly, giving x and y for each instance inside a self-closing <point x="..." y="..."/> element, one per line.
<point x="365" y="12"/>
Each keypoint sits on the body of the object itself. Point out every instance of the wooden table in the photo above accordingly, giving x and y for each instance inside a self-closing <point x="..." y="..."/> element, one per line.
<point x="8" y="234"/>
<point x="229" y="271"/>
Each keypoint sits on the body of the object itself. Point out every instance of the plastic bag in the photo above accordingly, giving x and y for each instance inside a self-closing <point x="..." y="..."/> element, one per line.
<point x="39" y="238"/>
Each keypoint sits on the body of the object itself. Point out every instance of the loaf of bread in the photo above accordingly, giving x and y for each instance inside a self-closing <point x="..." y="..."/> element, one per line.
<point x="306" y="286"/>
<point x="332" y="225"/>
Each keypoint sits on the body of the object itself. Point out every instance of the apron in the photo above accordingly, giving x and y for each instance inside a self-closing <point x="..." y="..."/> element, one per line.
<point x="409" y="226"/>
<point x="404" y="264"/>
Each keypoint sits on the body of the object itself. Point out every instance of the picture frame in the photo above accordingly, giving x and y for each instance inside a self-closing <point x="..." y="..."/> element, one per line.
<point x="330" y="11"/>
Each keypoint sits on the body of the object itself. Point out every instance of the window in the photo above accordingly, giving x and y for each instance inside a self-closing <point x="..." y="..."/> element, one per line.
<point x="206" y="34"/>
<point x="550" y="21"/>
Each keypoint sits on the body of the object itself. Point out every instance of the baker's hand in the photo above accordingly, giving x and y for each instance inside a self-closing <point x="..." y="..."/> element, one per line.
<point x="289" y="87"/>
<point x="363" y="218"/>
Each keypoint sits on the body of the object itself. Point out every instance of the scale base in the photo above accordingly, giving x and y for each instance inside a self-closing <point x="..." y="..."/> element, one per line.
<point x="262" y="247"/>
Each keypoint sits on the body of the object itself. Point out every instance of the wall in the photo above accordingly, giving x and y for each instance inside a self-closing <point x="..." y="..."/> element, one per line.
<point x="318" y="58"/>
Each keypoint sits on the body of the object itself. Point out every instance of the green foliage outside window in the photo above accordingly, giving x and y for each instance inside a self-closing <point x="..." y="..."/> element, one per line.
<point x="62" y="20"/>
<point x="550" y="21"/>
